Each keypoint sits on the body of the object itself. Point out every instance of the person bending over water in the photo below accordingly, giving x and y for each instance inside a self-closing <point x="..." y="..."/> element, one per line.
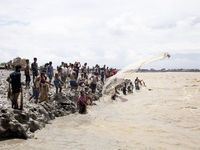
<point x="130" y="88"/>
<point x="115" y="95"/>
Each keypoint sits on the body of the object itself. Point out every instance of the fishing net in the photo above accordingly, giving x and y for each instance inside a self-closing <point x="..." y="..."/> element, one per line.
<point x="127" y="73"/>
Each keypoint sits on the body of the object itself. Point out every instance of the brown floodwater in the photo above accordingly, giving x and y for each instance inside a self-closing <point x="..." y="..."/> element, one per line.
<point x="164" y="115"/>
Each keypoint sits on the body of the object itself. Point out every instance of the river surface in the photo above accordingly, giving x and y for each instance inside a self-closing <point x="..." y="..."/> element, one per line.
<point x="164" y="115"/>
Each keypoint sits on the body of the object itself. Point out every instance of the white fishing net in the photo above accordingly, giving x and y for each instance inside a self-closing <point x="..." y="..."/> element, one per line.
<point x="127" y="73"/>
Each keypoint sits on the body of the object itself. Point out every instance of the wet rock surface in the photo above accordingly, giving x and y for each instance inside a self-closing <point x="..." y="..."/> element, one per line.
<point x="23" y="123"/>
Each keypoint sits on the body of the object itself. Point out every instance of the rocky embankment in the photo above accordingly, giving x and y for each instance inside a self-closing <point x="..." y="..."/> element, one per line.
<point x="23" y="123"/>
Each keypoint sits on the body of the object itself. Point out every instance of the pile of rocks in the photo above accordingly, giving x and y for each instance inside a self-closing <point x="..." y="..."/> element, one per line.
<point x="23" y="123"/>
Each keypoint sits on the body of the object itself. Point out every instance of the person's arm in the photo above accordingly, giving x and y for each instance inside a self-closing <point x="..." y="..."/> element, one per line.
<point x="21" y="89"/>
<point x="46" y="81"/>
<point x="37" y="79"/>
<point x="47" y="70"/>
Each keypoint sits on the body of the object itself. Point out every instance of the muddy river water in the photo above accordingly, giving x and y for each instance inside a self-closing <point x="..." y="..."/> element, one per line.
<point x="164" y="115"/>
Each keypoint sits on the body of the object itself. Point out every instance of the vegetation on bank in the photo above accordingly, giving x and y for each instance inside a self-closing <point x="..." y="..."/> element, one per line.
<point x="13" y="62"/>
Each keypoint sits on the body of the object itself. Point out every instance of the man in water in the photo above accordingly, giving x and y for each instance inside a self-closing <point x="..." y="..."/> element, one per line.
<point x="57" y="80"/>
<point x="82" y="103"/>
<point x="34" y="68"/>
<point x="27" y="73"/>
<point x="115" y="94"/>
<point x="124" y="89"/>
<point x="137" y="81"/>
<point x="130" y="88"/>
<point x="16" y="85"/>
<point x="49" y="71"/>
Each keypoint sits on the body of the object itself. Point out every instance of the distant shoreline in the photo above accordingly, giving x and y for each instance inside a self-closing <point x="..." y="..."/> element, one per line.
<point x="171" y="70"/>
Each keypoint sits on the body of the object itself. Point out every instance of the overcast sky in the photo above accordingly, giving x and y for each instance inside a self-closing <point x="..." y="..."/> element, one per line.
<point x="112" y="32"/>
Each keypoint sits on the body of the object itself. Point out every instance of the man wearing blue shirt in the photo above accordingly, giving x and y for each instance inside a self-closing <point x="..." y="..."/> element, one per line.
<point x="16" y="85"/>
<point x="49" y="71"/>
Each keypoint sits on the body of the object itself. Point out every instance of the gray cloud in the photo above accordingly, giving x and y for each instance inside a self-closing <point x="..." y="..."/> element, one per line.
<point x="112" y="32"/>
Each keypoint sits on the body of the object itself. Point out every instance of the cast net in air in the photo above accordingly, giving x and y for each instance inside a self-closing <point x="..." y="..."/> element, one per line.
<point x="128" y="73"/>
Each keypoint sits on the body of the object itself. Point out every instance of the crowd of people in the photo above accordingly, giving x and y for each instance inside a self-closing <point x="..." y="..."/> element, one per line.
<point x="70" y="75"/>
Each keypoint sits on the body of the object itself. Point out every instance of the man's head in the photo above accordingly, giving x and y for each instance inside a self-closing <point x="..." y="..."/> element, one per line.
<point x="27" y="61"/>
<point x="72" y="65"/>
<point x="59" y="69"/>
<point x="42" y="74"/>
<point x="82" y="93"/>
<point x="86" y="89"/>
<point x="35" y="59"/>
<point x="82" y="74"/>
<point x="50" y="63"/>
<point x="18" y="68"/>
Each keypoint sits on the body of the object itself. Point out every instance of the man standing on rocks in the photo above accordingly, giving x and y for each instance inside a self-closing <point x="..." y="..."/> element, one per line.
<point x="94" y="83"/>
<point x="49" y="71"/>
<point x="27" y="73"/>
<point x="64" y="73"/>
<point x="34" y="68"/>
<point x="58" y="81"/>
<point x="16" y="85"/>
